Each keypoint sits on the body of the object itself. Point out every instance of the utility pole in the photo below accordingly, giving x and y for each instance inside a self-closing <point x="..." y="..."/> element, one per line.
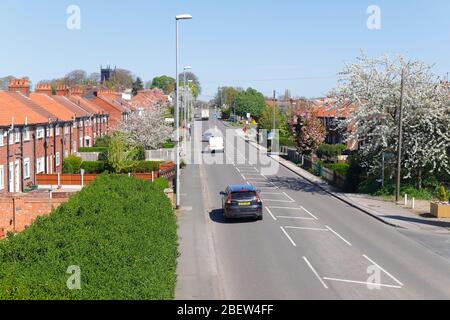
<point x="400" y="138"/>
<point x="274" y="125"/>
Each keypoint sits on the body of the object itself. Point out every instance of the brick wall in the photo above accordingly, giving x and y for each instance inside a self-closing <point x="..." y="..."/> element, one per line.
<point x="19" y="212"/>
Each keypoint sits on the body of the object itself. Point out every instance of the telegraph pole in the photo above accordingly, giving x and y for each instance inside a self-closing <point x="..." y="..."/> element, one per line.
<point x="274" y="98"/>
<point x="400" y="138"/>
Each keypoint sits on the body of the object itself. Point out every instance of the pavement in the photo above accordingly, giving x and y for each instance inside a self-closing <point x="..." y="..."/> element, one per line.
<point x="310" y="245"/>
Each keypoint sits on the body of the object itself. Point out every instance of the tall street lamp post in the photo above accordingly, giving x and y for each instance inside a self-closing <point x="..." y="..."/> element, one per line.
<point x="177" y="108"/>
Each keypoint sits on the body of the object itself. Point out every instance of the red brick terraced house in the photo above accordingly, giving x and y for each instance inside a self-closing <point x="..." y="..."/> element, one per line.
<point x="117" y="108"/>
<point x="38" y="130"/>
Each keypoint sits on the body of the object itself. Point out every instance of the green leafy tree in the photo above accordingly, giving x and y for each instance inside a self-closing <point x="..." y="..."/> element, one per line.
<point x="250" y="101"/>
<point x="266" y="120"/>
<point x="227" y="96"/>
<point x="191" y="77"/>
<point x="165" y="83"/>
<point x="123" y="154"/>
<point x="137" y="86"/>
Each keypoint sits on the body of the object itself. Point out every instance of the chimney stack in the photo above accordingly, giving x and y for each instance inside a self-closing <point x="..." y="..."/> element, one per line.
<point x="20" y="85"/>
<point x="44" y="88"/>
<point x="77" y="91"/>
<point x="62" y="90"/>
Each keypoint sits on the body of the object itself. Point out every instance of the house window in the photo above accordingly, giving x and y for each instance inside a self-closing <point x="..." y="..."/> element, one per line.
<point x="58" y="159"/>
<point x="17" y="135"/>
<point x="2" y="177"/>
<point x="1" y="138"/>
<point x="11" y="138"/>
<point x="26" y="168"/>
<point x="57" y="130"/>
<point x="66" y="154"/>
<point x="26" y="134"/>
<point x="40" y="165"/>
<point x="66" y="129"/>
<point x="39" y="132"/>
<point x="74" y="147"/>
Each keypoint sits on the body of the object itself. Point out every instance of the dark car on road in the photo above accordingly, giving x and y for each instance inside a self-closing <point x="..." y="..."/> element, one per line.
<point x="242" y="201"/>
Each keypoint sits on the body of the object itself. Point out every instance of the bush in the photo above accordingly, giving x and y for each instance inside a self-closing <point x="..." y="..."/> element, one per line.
<point x="330" y="151"/>
<point x="168" y="145"/>
<point x="120" y="231"/>
<point x="146" y="167"/>
<point x="93" y="149"/>
<point x="92" y="167"/>
<point x="72" y="164"/>
<point x="339" y="168"/>
<point x="442" y="194"/>
<point x="162" y="183"/>
<point x="287" y="142"/>
<point x="103" y="142"/>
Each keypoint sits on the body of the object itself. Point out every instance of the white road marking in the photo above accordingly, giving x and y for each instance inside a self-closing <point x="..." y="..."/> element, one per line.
<point x="287" y="208"/>
<point x="289" y="237"/>
<point x="275" y="200"/>
<point x="256" y="179"/>
<point x="287" y="195"/>
<point x="315" y="272"/>
<point x="364" y="283"/>
<point x="310" y="229"/>
<point x="243" y="177"/>
<point x="299" y="218"/>
<point x="271" y="193"/>
<point x="270" y="212"/>
<point x="338" y="235"/>
<point x="378" y="266"/>
<point x="309" y="213"/>
<point x="238" y="169"/>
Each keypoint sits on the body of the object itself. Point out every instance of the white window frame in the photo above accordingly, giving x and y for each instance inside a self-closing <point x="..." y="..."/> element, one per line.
<point x="26" y="168"/>
<point x="11" y="138"/>
<point x="2" y="177"/>
<point x="40" y="167"/>
<point x="17" y="135"/>
<point x="58" y="159"/>
<point x="66" y="129"/>
<point x="26" y="134"/>
<point x="40" y="133"/>
<point x="2" y="141"/>
<point x="57" y="130"/>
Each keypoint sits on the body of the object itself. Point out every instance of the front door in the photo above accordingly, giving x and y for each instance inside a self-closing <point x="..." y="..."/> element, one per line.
<point x="17" y="176"/>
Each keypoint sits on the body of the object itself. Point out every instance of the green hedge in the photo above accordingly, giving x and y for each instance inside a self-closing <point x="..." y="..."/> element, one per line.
<point x="91" y="167"/>
<point x="287" y="142"/>
<point x="120" y="231"/>
<point x="93" y="149"/>
<point x="72" y="165"/>
<point x="340" y="168"/>
<point x="330" y="151"/>
<point x="146" y="166"/>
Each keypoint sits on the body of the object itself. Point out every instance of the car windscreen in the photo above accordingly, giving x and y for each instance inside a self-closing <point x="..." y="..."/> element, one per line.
<point x="246" y="195"/>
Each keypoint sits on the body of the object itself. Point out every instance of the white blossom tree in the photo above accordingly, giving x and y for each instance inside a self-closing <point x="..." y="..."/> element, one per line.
<point x="147" y="128"/>
<point x="373" y="87"/>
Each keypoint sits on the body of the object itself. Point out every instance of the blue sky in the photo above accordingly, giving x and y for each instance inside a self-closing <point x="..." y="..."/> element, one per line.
<point x="266" y="44"/>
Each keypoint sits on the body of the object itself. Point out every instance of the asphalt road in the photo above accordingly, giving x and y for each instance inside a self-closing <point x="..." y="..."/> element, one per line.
<point x="309" y="246"/>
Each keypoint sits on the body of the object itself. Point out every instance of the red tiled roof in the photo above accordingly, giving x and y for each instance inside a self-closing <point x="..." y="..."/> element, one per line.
<point x="53" y="106"/>
<point x="14" y="109"/>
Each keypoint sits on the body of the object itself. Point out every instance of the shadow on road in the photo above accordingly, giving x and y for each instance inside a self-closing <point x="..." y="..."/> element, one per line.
<point x="442" y="224"/>
<point x="217" y="216"/>
<point x="296" y="184"/>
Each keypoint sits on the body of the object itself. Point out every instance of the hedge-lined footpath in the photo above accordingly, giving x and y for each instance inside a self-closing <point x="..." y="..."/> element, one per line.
<point x="120" y="231"/>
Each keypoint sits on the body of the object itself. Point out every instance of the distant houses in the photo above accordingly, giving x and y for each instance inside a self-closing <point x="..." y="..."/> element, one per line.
<point x="39" y="129"/>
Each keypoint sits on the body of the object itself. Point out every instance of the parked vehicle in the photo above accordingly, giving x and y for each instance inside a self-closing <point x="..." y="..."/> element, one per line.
<point x="216" y="144"/>
<point x="242" y="201"/>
